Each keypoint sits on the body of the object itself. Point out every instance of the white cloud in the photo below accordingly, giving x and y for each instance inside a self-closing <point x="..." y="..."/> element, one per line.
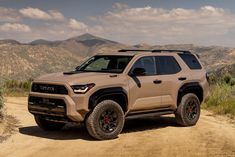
<point x="77" y="25"/>
<point x="162" y="26"/>
<point x="120" y="6"/>
<point x="35" y="13"/>
<point x="9" y="15"/>
<point x="56" y="15"/>
<point x="207" y="25"/>
<point x="14" y="27"/>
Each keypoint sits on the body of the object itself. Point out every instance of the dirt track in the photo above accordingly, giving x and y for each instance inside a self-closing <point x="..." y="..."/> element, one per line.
<point x="212" y="136"/>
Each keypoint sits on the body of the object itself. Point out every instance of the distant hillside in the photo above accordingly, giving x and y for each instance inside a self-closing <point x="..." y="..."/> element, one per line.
<point x="23" y="61"/>
<point x="41" y="42"/>
<point x="226" y="69"/>
<point x="87" y="45"/>
<point x="9" y="41"/>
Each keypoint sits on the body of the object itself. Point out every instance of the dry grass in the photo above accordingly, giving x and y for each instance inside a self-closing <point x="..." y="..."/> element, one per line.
<point x="15" y="88"/>
<point x="1" y="102"/>
<point x="222" y="100"/>
<point x="8" y="125"/>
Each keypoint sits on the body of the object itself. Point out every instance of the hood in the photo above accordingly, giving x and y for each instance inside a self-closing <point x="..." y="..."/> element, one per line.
<point x="74" y="78"/>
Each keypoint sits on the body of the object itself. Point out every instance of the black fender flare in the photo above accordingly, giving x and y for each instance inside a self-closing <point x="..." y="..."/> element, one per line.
<point x="192" y="86"/>
<point x="101" y="93"/>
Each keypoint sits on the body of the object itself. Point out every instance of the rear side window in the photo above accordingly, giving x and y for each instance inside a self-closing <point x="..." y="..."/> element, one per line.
<point x="191" y="61"/>
<point x="167" y="65"/>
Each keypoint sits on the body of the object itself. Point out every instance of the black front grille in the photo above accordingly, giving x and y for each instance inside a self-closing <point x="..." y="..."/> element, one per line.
<point x="49" y="88"/>
<point x="54" y="109"/>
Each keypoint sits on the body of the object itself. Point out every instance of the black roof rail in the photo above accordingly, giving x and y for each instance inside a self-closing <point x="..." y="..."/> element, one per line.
<point x="182" y="51"/>
<point x="126" y="50"/>
<point x="158" y="51"/>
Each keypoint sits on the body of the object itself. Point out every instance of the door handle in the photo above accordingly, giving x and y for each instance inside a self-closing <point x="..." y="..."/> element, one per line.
<point x="182" y="78"/>
<point x="157" y="81"/>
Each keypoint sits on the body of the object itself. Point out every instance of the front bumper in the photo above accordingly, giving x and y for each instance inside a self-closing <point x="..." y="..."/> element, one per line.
<point x="54" y="107"/>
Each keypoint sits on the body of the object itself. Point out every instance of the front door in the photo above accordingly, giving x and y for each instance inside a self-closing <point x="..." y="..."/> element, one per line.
<point x="145" y="90"/>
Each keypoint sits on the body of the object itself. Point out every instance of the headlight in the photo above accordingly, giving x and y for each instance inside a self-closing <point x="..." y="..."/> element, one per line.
<point x="82" y="89"/>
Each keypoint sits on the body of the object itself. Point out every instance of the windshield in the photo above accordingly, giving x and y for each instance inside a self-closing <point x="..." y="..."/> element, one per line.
<point x="106" y="64"/>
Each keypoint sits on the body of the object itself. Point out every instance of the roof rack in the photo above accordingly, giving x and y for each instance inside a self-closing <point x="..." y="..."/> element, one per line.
<point x="182" y="51"/>
<point x="157" y="51"/>
<point x="127" y="50"/>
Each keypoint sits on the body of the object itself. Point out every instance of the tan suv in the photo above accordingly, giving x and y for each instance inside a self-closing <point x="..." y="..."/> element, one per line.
<point x="130" y="83"/>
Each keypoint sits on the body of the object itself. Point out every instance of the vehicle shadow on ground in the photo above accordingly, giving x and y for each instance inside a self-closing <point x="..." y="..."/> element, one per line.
<point x="78" y="131"/>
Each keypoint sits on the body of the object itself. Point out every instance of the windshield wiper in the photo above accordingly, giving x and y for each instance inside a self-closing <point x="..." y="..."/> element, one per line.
<point x="72" y="72"/>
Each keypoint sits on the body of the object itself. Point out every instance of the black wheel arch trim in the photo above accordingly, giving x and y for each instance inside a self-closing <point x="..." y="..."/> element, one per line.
<point x="195" y="86"/>
<point x="101" y="93"/>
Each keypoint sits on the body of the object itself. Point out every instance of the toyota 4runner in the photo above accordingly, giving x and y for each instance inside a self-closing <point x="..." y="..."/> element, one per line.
<point x="107" y="88"/>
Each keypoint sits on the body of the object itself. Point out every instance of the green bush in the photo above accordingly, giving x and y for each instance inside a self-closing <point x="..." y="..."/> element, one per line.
<point x="213" y="79"/>
<point x="14" y="84"/>
<point x="227" y="78"/>
<point x="17" y="87"/>
<point x="223" y="78"/>
<point x="219" y="94"/>
<point x="232" y="82"/>
<point x="221" y="100"/>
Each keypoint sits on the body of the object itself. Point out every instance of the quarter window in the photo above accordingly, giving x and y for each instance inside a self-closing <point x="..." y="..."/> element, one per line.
<point x="191" y="61"/>
<point x="167" y="65"/>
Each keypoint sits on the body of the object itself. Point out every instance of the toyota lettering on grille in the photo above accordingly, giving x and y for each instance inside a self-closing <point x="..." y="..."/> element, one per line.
<point x="47" y="88"/>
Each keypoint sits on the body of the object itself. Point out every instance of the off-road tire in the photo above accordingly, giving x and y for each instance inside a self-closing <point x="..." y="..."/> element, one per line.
<point x="48" y="125"/>
<point x="94" y="121"/>
<point x="182" y="115"/>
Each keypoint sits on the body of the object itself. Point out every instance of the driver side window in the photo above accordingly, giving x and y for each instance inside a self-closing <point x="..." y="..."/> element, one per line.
<point x="147" y="63"/>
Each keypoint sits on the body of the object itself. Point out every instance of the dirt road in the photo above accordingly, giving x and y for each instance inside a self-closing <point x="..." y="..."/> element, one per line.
<point x="212" y="136"/>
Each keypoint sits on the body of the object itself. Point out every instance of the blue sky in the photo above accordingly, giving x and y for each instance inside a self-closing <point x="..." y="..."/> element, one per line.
<point x="201" y="22"/>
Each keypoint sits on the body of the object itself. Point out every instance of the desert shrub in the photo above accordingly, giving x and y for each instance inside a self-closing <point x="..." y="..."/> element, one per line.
<point x="15" y="84"/>
<point x="219" y="93"/>
<point x="24" y="85"/>
<point x="1" y="98"/>
<point x="10" y="84"/>
<point x="17" y="87"/>
<point x="232" y="82"/>
<point x="227" y="78"/>
<point x="221" y="100"/>
<point x="213" y="78"/>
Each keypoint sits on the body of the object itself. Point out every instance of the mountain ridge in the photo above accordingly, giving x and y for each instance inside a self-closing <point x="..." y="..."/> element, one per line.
<point x="23" y="61"/>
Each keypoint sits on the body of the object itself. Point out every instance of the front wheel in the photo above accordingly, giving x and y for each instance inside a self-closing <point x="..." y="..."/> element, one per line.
<point x="106" y="121"/>
<point x="48" y="125"/>
<point x="188" y="111"/>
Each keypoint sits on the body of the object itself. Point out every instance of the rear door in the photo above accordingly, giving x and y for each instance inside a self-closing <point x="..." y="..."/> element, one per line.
<point x="169" y="72"/>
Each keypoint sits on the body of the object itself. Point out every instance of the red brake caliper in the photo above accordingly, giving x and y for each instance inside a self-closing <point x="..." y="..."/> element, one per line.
<point x="106" y="120"/>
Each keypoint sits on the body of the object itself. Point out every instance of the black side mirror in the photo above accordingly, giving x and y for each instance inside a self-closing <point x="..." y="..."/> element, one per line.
<point x="138" y="72"/>
<point x="77" y="68"/>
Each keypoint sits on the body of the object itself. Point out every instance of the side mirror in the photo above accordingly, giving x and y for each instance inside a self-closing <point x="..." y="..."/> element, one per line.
<point x="138" y="72"/>
<point x="77" y="68"/>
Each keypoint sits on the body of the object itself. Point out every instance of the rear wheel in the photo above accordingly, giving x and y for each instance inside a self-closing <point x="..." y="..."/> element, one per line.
<point x="48" y="125"/>
<point x="188" y="111"/>
<point x="106" y="121"/>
